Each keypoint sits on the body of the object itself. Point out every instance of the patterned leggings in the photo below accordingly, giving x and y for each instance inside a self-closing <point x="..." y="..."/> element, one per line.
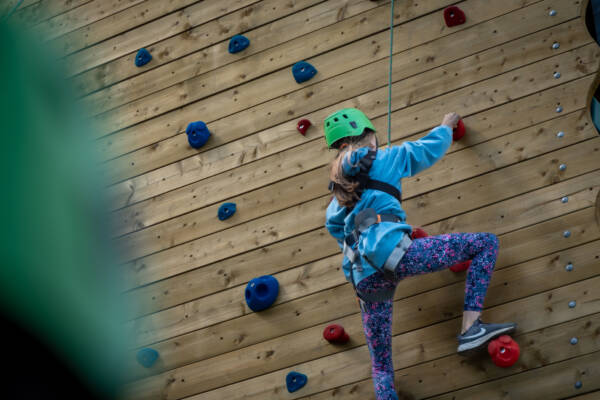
<point x="428" y="254"/>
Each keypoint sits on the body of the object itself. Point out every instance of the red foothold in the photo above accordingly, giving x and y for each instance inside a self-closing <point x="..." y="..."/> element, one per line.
<point x="454" y="16"/>
<point x="418" y="233"/>
<point x="335" y="334"/>
<point x="504" y="351"/>
<point x="303" y="125"/>
<point x="459" y="131"/>
<point x="462" y="266"/>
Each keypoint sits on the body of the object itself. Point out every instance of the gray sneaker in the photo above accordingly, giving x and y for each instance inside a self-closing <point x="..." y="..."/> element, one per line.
<point x="479" y="334"/>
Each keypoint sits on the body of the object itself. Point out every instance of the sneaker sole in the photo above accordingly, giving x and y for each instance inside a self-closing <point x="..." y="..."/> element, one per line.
<point x="484" y="339"/>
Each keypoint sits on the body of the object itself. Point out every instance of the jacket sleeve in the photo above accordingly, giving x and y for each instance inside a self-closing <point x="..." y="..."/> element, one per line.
<point x="410" y="158"/>
<point x="335" y="224"/>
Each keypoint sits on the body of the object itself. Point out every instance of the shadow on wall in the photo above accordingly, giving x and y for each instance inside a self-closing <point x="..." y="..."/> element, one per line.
<point x="592" y="20"/>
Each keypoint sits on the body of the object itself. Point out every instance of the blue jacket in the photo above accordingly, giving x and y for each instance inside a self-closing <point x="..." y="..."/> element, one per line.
<point x="390" y="166"/>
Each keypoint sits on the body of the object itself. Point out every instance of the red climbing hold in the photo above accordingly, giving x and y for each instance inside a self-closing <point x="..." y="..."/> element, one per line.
<point x="335" y="334"/>
<point x="504" y="351"/>
<point x="462" y="266"/>
<point x="418" y="233"/>
<point x="454" y="16"/>
<point x="303" y="125"/>
<point x="459" y="131"/>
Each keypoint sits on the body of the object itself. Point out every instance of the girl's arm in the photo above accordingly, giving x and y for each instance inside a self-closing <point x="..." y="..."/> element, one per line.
<point x="335" y="221"/>
<point x="410" y="158"/>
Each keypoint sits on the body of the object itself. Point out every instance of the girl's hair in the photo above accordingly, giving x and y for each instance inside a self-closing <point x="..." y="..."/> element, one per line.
<point x="344" y="189"/>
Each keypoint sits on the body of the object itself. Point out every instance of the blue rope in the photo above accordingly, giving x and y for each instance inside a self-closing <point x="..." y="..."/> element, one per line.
<point x="12" y="11"/>
<point x="390" y="76"/>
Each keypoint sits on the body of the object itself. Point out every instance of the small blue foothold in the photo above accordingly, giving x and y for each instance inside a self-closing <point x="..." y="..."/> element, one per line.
<point x="578" y="385"/>
<point x="261" y="292"/>
<point x="303" y="71"/>
<point x="238" y="43"/>
<point x="197" y="133"/>
<point x="295" y="380"/>
<point x="226" y="210"/>
<point x="147" y="357"/>
<point x="572" y="304"/>
<point x="142" y="57"/>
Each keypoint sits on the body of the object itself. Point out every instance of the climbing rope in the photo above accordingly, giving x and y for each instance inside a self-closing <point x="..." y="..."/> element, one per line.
<point x="11" y="12"/>
<point x="390" y="75"/>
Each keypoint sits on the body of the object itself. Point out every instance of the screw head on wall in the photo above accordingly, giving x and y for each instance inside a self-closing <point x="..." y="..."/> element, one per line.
<point x="569" y="267"/>
<point x="574" y="340"/>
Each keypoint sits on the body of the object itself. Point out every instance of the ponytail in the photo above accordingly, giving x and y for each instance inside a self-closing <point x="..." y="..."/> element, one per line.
<point x="344" y="189"/>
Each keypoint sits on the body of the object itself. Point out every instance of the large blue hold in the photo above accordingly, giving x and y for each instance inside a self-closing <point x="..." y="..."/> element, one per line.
<point x="303" y="71"/>
<point x="147" y="357"/>
<point x="295" y="380"/>
<point x="197" y="133"/>
<point x="142" y="57"/>
<point x="238" y="43"/>
<point x="226" y="210"/>
<point x="261" y="292"/>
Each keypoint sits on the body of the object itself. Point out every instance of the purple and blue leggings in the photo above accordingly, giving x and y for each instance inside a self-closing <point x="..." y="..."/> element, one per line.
<point x="428" y="254"/>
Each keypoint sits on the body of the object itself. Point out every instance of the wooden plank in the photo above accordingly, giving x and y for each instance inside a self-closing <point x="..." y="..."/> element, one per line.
<point x="292" y="252"/>
<point x="312" y="184"/>
<point x="324" y="274"/>
<point x="167" y="26"/>
<point x="196" y="58"/>
<point x="282" y="137"/>
<point x="539" y="348"/>
<point x="558" y="381"/>
<point x="44" y="9"/>
<point x="268" y="229"/>
<point x="531" y="313"/>
<point x="191" y="318"/>
<point x="125" y="20"/>
<point x="287" y="163"/>
<point x="410" y="34"/>
<point x="545" y="272"/>
<point x="81" y="16"/>
<point x="176" y="148"/>
<point x="588" y="396"/>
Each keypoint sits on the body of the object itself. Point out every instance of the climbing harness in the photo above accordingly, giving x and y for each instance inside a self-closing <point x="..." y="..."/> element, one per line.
<point x="365" y="219"/>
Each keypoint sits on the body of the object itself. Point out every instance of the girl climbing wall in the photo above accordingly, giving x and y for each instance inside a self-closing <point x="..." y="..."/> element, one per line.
<point x="367" y="220"/>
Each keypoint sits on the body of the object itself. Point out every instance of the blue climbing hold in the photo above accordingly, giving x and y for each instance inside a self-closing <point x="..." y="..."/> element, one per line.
<point x="303" y="71"/>
<point x="295" y="380"/>
<point x="147" y="357"/>
<point x="226" y="210"/>
<point x="142" y="57"/>
<point x="261" y="292"/>
<point x="197" y="133"/>
<point x="238" y="43"/>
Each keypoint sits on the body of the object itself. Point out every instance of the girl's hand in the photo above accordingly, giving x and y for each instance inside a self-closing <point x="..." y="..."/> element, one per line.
<point x="451" y="119"/>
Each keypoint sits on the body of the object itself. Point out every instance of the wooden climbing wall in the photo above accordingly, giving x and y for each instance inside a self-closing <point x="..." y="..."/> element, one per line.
<point x="186" y="271"/>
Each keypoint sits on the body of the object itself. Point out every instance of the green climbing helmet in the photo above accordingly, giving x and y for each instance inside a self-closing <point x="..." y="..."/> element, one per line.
<point x="344" y="123"/>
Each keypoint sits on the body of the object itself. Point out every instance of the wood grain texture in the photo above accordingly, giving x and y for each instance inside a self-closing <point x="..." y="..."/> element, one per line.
<point x="185" y="271"/>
